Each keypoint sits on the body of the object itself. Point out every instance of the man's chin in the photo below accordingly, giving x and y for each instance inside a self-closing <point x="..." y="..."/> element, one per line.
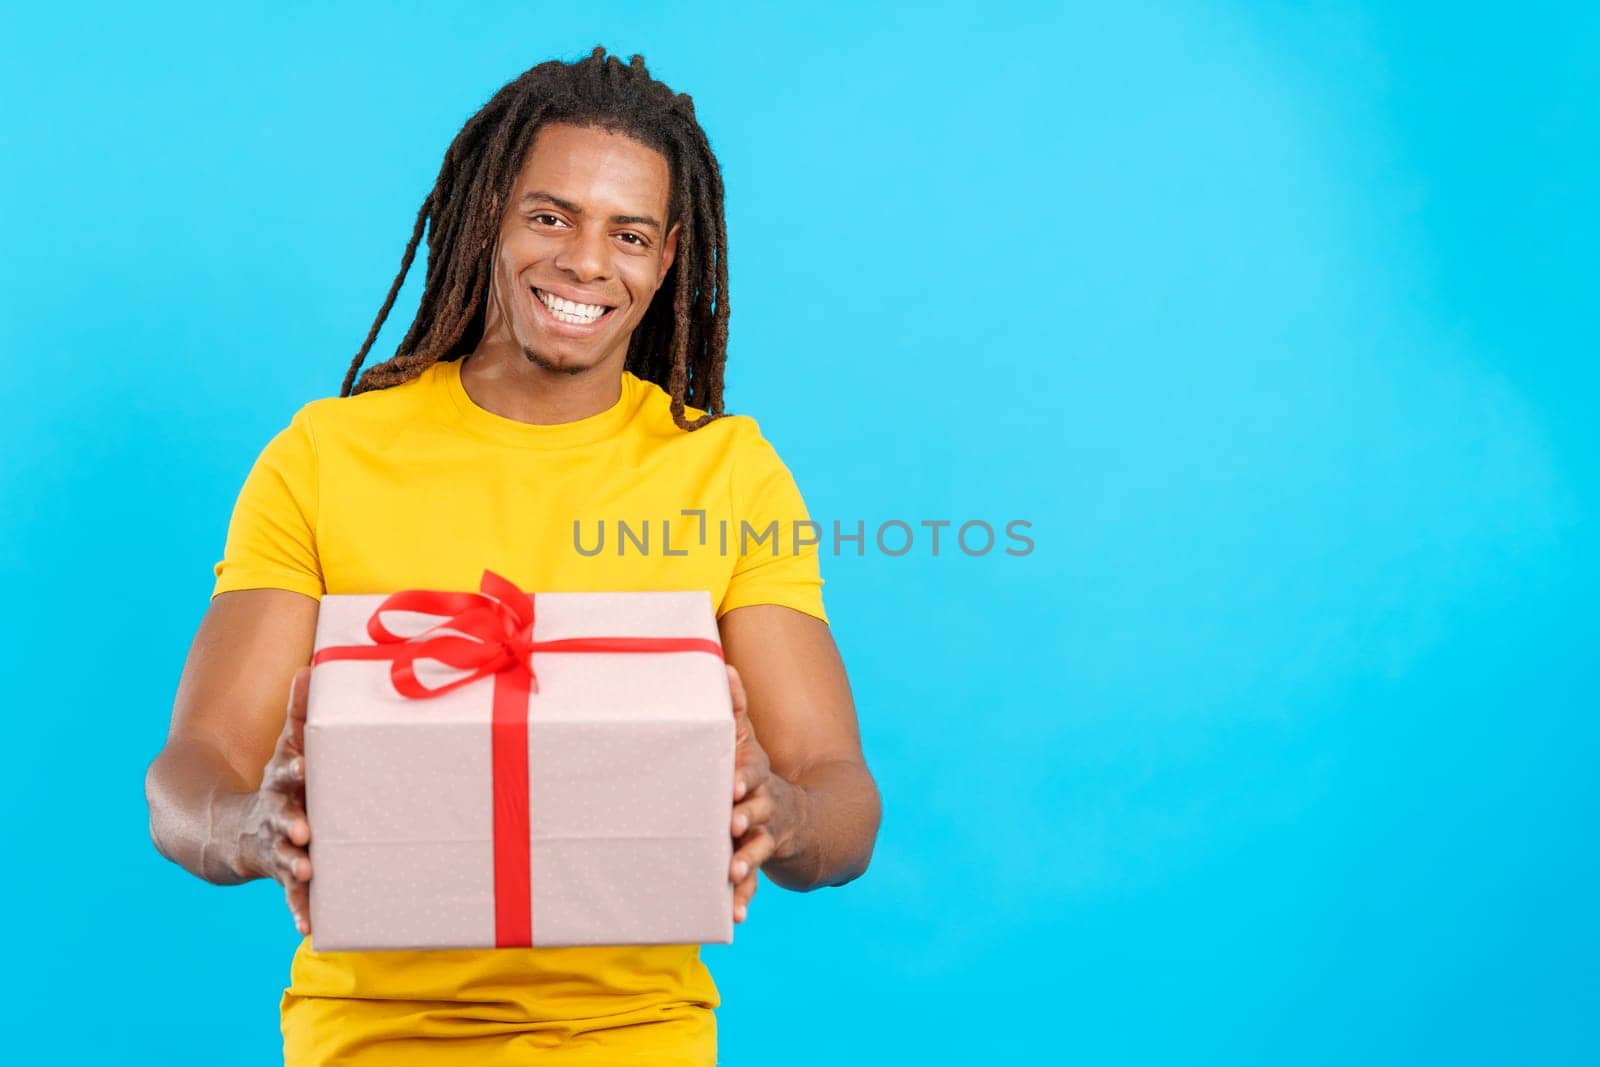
<point x="556" y="365"/>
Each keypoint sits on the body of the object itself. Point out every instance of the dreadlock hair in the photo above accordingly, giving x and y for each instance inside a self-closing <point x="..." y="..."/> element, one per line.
<point x="681" y="343"/>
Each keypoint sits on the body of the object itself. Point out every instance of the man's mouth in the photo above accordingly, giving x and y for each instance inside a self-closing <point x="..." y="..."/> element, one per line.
<point x="571" y="312"/>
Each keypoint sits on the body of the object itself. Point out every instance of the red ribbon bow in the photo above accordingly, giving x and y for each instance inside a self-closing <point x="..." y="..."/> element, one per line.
<point x="493" y="636"/>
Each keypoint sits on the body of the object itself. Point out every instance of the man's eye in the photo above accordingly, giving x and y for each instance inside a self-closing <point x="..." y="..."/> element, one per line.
<point x="547" y="219"/>
<point x="632" y="238"/>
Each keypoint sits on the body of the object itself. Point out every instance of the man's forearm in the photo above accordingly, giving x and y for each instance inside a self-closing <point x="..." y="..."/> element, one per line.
<point x="196" y="800"/>
<point x="836" y="815"/>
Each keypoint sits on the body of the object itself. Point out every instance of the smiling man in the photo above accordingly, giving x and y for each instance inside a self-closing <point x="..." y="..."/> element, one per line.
<point x="573" y="275"/>
<point x="565" y="365"/>
<point x="573" y="279"/>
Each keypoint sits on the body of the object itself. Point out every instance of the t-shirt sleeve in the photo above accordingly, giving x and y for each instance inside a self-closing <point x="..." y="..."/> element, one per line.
<point x="272" y="537"/>
<point x="772" y="534"/>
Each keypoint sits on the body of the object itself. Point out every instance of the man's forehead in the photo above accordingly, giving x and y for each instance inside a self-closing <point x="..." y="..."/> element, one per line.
<point x="585" y="166"/>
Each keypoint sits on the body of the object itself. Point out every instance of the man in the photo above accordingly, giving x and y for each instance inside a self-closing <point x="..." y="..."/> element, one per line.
<point x="565" y="366"/>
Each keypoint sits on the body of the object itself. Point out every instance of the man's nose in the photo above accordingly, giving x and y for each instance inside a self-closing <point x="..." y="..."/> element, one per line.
<point x="585" y="256"/>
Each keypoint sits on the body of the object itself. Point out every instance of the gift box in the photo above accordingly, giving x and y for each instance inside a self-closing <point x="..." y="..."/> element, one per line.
<point x="510" y="769"/>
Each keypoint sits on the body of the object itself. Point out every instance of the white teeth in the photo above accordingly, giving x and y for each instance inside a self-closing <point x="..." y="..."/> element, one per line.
<point x="569" y="311"/>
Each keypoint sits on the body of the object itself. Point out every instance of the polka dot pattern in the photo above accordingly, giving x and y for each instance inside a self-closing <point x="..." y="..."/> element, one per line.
<point x="631" y="768"/>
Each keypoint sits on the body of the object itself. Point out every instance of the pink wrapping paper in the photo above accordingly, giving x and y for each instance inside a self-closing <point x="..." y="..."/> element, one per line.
<point x="630" y="781"/>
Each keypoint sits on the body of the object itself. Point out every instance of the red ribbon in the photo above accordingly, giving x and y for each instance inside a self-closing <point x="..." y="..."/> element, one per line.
<point x="494" y="636"/>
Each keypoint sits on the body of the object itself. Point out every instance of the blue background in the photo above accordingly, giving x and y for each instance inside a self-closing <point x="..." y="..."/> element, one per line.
<point x="1281" y="745"/>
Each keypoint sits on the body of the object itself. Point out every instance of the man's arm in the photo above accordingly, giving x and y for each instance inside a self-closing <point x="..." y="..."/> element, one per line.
<point x="821" y="806"/>
<point x="226" y="791"/>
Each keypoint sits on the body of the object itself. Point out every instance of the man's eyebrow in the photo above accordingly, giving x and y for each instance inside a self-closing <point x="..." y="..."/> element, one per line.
<point x="529" y="199"/>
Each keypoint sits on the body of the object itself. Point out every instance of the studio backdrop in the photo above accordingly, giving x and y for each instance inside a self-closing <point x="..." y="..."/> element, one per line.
<point x="1196" y="400"/>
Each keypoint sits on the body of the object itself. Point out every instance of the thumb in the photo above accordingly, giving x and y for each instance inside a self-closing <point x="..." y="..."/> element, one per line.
<point x="741" y="704"/>
<point x="299" y="691"/>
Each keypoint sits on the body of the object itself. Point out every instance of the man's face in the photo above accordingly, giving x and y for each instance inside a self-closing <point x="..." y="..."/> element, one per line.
<point x="583" y="248"/>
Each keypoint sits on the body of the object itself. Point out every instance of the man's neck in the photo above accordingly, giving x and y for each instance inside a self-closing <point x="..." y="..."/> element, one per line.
<point x="501" y="380"/>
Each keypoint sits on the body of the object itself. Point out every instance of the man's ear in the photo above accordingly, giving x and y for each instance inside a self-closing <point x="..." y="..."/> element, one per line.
<point x="669" y="252"/>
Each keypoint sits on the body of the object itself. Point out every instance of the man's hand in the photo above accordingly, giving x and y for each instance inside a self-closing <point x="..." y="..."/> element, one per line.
<point x="275" y="831"/>
<point x="768" y="811"/>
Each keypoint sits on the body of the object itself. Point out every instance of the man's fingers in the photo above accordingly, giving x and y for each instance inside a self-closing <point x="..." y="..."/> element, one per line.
<point x="292" y="824"/>
<point x="298" y="897"/>
<point x="293" y="864"/>
<point x="742" y="894"/>
<point x="287" y="774"/>
<point x="758" y="809"/>
<point x="749" y="776"/>
<point x="756" y="848"/>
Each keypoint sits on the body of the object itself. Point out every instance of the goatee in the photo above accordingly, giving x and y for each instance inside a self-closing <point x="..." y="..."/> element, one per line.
<point x="544" y="364"/>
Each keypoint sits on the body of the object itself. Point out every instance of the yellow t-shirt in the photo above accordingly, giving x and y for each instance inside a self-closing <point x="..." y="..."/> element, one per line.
<point x="416" y="486"/>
